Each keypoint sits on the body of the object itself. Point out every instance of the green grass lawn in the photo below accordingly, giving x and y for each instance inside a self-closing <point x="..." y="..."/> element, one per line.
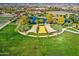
<point x="12" y="43"/>
<point x="73" y="29"/>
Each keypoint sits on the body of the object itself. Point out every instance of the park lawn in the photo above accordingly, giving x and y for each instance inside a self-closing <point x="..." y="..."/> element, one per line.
<point x="73" y="29"/>
<point x="12" y="43"/>
<point x="38" y="34"/>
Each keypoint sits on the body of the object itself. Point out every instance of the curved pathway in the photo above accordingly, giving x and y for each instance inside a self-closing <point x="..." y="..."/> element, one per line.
<point x="33" y="29"/>
<point x="53" y="34"/>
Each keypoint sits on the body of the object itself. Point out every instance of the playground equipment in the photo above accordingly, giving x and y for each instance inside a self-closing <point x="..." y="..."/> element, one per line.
<point x="33" y="19"/>
<point x="40" y="29"/>
<point x="44" y="20"/>
<point x="44" y="27"/>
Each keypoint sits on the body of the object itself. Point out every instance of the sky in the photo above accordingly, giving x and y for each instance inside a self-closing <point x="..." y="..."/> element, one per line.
<point x="39" y="4"/>
<point x="39" y="1"/>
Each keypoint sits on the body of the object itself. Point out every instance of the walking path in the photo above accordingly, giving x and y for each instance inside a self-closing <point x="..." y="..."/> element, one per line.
<point x="2" y="26"/>
<point x="53" y="34"/>
<point x="8" y="22"/>
<point x="72" y="31"/>
<point x="49" y="29"/>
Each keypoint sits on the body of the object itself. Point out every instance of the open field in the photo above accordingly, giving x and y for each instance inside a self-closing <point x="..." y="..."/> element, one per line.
<point x="12" y="43"/>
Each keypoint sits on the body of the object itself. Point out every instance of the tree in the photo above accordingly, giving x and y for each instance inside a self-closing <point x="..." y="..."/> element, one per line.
<point x="61" y="20"/>
<point x="9" y="10"/>
<point x="23" y="20"/>
<point x="22" y="23"/>
<point x="49" y="17"/>
<point x="74" y="18"/>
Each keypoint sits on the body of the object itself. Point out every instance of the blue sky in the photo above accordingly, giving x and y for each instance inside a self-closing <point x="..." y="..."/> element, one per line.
<point x="39" y="1"/>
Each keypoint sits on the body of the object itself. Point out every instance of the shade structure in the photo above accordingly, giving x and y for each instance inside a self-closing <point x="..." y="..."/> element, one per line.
<point x="42" y="29"/>
<point x="49" y="29"/>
